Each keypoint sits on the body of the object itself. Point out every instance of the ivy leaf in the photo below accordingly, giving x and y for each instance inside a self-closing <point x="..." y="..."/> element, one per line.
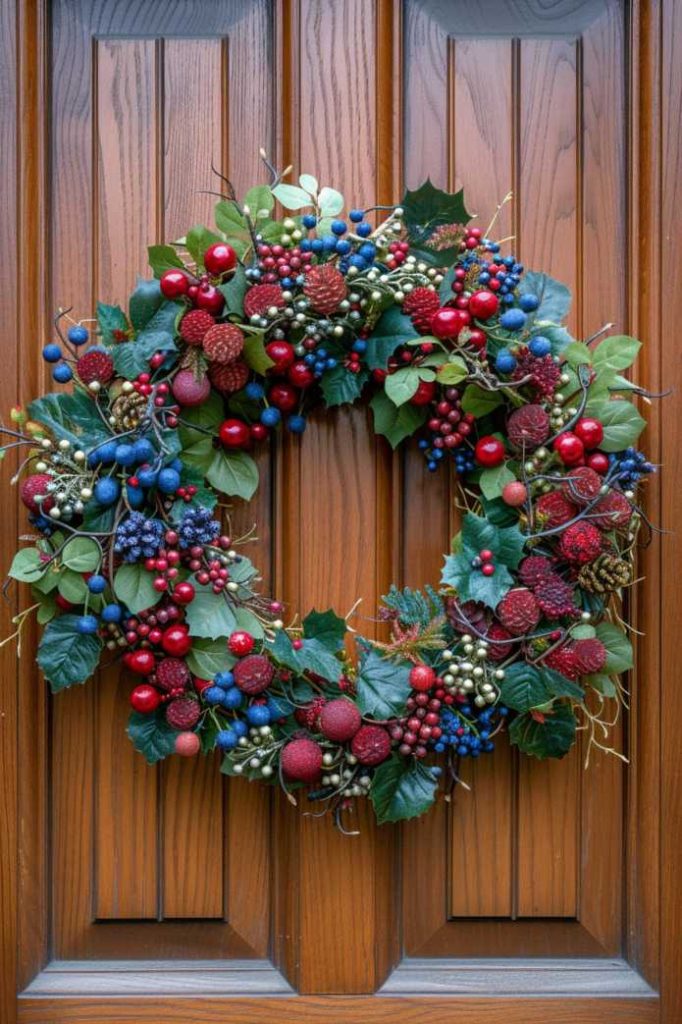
<point x="340" y="387"/>
<point x="523" y="687"/>
<point x="452" y="372"/>
<point x="392" y="330"/>
<point x="395" y="423"/>
<point x="144" y="302"/>
<point x="210" y="615"/>
<point x="330" y="202"/>
<point x="622" y="423"/>
<point x="552" y="738"/>
<point x="382" y="686"/>
<point x="428" y="208"/>
<point x="132" y="357"/>
<point x="27" y="566"/>
<point x="615" y="353"/>
<point x="402" y="385"/>
<point x="492" y="481"/>
<point x="197" y="241"/>
<point x="260" y="202"/>
<point x="151" y="735"/>
<point x="619" y="657"/>
<point x="291" y="197"/>
<point x="402" y="789"/>
<point x="555" y="298"/>
<point x="66" y="656"/>
<point x="479" y="402"/>
<point x="327" y="628"/>
<point x="110" y="320"/>
<point x="134" y="586"/>
<point x="234" y="290"/>
<point x="234" y="474"/>
<point x="81" y="554"/>
<point x="208" y="657"/>
<point x="162" y="258"/>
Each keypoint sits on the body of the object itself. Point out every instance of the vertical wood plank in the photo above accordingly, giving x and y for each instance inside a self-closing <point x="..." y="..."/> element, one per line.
<point x="548" y="199"/>
<point x="126" y="821"/>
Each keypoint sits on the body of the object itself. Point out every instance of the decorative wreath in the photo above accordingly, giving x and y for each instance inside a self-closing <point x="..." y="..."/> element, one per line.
<point x="240" y="334"/>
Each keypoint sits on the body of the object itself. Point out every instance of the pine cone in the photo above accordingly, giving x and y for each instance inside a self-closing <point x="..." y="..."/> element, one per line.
<point x="420" y="305"/>
<point x="261" y="297"/>
<point x="605" y="575"/>
<point x="129" y="410"/>
<point x="325" y="288"/>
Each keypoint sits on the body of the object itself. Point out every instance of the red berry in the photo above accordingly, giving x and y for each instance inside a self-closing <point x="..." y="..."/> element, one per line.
<point x="569" y="448"/>
<point x="477" y="338"/>
<point x="259" y="431"/>
<point x="371" y="744"/>
<point x="485" y="555"/>
<point x="141" y="662"/>
<point x="590" y="432"/>
<point x="210" y="299"/>
<point x="187" y="744"/>
<point x="184" y="593"/>
<point x="424" y="393"/>
<point x="62" y="603"/>
<point x="598" y="461"/>
<point x="514" y="494"/>
<point x="300" y="375"/>
<point x="283" y="396"/>
<point x="240" y="643"/>
<point x="234" y="434"/>
<point x="448" y="322"/>
<point x="488" y="569"/>
<point x="489" y="451"/>
<point x="174" y="284"/>
<point x="176" y="641"/>
<point x="422" y="678"/>
<point x="301" y="760"/>
<point x="483" y="305"/>
<point x="282" y="355"/>
<point x="145" y="698"/>
<point x="219" y="258"/>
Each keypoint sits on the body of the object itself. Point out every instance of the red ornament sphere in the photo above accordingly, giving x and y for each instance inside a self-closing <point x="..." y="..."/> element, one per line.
<point x="145" y="698"/>
<point x="448" y="322"/>
<point x="220" y="258"/>
<point x="598" y="461"/>
<point x="283" y="396"/>
<point x="240" y="643"/>
<point x="234" y="434"/>
<point x="174" y="284"/>
<point x="569" y="448"/>
<point x="187" y="744"/>
<point x="489" y="452"/>
<point x="483" y="304"/>
<point x="183" y="593"/>
<point x="590" y="432"/>
<point x="141" y="662"/>
<point x="176" y="641"/>
<point x="210" y="299"/>
<point x="300" y="375"/>
<point x="422" y="678"/>
<point x="424" y="393"/>
<point x="282" y="355"/>
<point x="514" y="493"/>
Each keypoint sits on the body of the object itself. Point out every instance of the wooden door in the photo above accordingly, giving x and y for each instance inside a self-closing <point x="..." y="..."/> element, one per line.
<point x="136" y="894"/>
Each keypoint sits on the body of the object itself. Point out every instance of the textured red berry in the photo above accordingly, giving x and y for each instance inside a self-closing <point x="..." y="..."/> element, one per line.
<point x="301" y="760"/>
<point x="580" y="543"/>
<point x="340" y="720"/>
<point x="554" y="509"/>
<point x="528" y="426"/>
<point x="420" y="305"/>
<point x="229" y="377"/>
<point x="220" y="258"/>
<point x="240" y="643"/>
<point x="534" y="570"/>
<point x="253" y="674"/>
<point x="555" y="597"/>
<point x="194" y="326"/>
<point x="582" y="485"/>
<point x="145" y="698"/>
<point x="183" y="712"/>
<point x="34" y="487"/>
<point x="489" y="451"/>
<point x="309" y="715"/>
<point x="262" y="297"/>
<point x="172" y="674"/>
<point x="187" y="744"/>
<point x="563" y="660"/>
<point x="371" y="744"/>
<point x="95" y="366"/>
<point x="612" y="512"/>
<point x="498" y="649"/>
<point x="518" y="611"/>
<point x="223" y="343"/>
<point x="590" y="655"/>
<point x="325" y="288"/>
<point x="514" y="494"/>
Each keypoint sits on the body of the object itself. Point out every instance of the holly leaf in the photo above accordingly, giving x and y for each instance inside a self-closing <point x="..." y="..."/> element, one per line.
<point x="392" y="330"/>
<point x="162" y="258"/>
<point x="328" y="628"/>
<point x="111" y="320"/>
<point x="479" y="402"/>
<point x="619" y="656"/>
<point x="210" y="615"/>
<point x="208" y="657"/>
<point x="81" y="554"/>
<point x="132" y="357"/>
<point x="471" y="584"/>
<point x="395" y="423"/>
<point x="382" y="686"/>
<point x="234" y="474"/>
<point x="506" y="543"/>
<point x="402" y="789"/>
<point x="492" y="481"/>
<point x="427" y="208"/>
<point x="234" y="290"/>
<point x="134" y="586"/>
<point x="151" y="735"/>
<point x="339" y="386"/>
<point x="311" y="656"/>
<point x="555" y="298"/>
<point x="621" y="421"/>
<point x="66" y="656"/>
<point x="552" y="738"/>
<point x="27" y="566"/>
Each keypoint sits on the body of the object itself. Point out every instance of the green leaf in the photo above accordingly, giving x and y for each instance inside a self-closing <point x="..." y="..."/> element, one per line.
<point x="81" y="554"/>
<point x="558" y="337"/>
<point x="255" y="355"/>
<point x="110" y="320"/>
<point x="382" y="686"/>
<point x="479" y="402"/>
<point x="402" y="789"/>
<point x="327" y="628"/>
<point x="134" y="586"/>
<point x="162" y="258"/>
<point x="402" y="385"/>
<point x="493" y="481"/>
<point x="234" y="474"/>
<point x="230" y="221"/>
<point x="312" y="656"/>
<point x="555" y="298"/>
<point x="577" y="354"/>
<point x="144" y="302"/>
<point x="151" y="735"/>
<point x="72" y="586"/>
<point x="393" y="329"/>
<point x="330" y="202"/>
<point x="47" y="610"/>
<point x="132" y="357"/>
<point x="395" y="423"/>
<point x="97" y="519"/>
<point x="472" y="585"/>
<point x="602" y="684"/>
<point x="414" y="608"/>
<point x="506" y="543"/>
<point x="453" y="371"/>
<point x="619" y="656"/>
<point x="615" y="353"/>
<point x="208" y="657"/>
<point x="622" y="423"/>
<point x="234" y="291"/>
<point x="210" y="615"/>
<point x="559" y="686"/>
<point x="291" y="196"/>
<point x="27" y="566"/>
<point x="309" y="183"/>
<point x="199" y="455"/>
<point x="70" y="416"/>
<point x="247" y="620"/>
<point x="339" y="387"/>
<point x="197" y="241"/>
<point x="207" y="416"/>
<point x="524" y="687"/>
<point x="552" y="738"/>
<point x="260" y="202"/>
<point x="65" y="656"/>
<point x="428" y="208"/>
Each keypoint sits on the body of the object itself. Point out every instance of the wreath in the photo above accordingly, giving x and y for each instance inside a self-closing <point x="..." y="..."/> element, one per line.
<point x="240" y="334"/>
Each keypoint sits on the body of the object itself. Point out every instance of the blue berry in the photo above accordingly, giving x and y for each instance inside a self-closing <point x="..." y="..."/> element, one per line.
<point x="144" y="451"/>
<point x="254" y="390"/>
<point x="368" y="250"/>
<point x="107" y="491"/>
<point x="135" y="495"/>
<point x="240" y="727"/>
<point x="213" y="695"/>
<point x="296" y="424"/>
<point x="232" y="698"/>
<point x="226" y="739"/>
<point x="360" y="346"/>
<point x="505" y="362"/>
<point x="62" y="373"/>
<point x="103" y="453"/>
<point x="513" y="319"/>
<point x="356" y="216"/>
<point x="358" y="261"/>
<point x="138" y="537"/>
<point x="77" y="335"/>
<point x="258" y="714"/>
<point x="343" y="247"/>
<point x="147" y="476"/>
<point x="52" y="353"/>
<point x="97" y="584"/>
<point x="540" y="346"/>
<point x="528" y="302"/>
<point x="224" y="680"/>
<point x="363" y="230"/>
<point x="328" y="243"/>
<point x="112" y="613"/>
<point x="270" y="417"/>
<point x="197" y="526"/>
<point x="339" y="227"/>
<point x="87" y="624"/>
<point x="168" y="481"/>
<point x="125" y="454"/>
<point x="309" y="220"/>
<point x="317" y="245"/>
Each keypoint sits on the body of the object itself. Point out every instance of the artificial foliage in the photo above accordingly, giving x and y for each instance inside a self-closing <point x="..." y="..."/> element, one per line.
<point x="244" y="330"/>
